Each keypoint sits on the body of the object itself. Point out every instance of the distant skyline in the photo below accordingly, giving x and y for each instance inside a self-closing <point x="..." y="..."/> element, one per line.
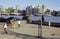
<point x="50" y="4"/>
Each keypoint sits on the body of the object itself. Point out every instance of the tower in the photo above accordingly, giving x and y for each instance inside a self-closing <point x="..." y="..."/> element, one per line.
<point x="17" y="7"/>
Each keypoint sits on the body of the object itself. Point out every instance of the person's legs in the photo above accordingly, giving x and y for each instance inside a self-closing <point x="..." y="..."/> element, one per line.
<point x="18" y="25"/>
<point x="5" y="31"/>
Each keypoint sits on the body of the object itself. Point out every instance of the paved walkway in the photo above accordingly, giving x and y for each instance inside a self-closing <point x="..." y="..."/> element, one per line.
<point x="29" y="31"/>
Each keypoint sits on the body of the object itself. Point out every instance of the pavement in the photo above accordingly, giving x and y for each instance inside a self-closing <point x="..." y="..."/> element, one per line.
<point x="29" y="31"/>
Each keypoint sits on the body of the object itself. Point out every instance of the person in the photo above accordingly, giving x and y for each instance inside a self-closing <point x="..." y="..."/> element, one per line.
<point x="19" y="23"/>
<point x="13" y="25"/>
<point x="5" y="28"/>
<point x="42" y="18"/>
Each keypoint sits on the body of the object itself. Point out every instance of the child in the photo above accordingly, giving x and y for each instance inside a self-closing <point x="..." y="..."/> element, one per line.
<point x="5" y="28"/>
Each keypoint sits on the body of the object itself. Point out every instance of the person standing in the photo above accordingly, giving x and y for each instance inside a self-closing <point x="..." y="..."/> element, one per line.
<point x="42" y="19"/>
<point x="5" y="28"/>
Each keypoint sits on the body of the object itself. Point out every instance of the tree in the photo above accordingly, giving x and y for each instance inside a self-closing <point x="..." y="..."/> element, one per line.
<point x="47" y="11"/>
<point x="54" y="13"/>
<point x="18" y="11"/>
<point x="10" y="10"/>
<point x="25" y="15"/>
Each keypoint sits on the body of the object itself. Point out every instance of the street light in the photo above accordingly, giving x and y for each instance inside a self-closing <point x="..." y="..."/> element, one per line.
<point x="40" y="28"/>
<point x="40" y="22"/>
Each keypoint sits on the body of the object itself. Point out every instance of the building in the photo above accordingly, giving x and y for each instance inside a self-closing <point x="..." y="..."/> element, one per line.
<point x="42" y="9"/>
<point x="17" y="7"/>
<point x="17" y="10"/>
<point x="33" y="10"/>
<point x="29" y="10"/>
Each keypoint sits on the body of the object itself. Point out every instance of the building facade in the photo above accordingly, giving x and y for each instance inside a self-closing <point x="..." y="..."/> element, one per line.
<point x="33" y="10"/>
<point x="17" y="9"/>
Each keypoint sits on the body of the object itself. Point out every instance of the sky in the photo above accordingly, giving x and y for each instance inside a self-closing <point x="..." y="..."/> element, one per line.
<point x="50" y="4"/>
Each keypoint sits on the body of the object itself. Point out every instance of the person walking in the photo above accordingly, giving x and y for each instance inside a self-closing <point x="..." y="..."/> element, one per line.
<point x="5" y="28"/>
<point x="19" y="22"/>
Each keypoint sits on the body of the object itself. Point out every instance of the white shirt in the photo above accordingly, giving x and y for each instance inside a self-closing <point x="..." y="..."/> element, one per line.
<point x="18" y="22"/>
<point x="5" y="26"/>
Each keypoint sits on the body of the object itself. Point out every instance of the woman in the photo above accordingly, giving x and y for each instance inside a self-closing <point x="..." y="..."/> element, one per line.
<point x="5" y="28"/>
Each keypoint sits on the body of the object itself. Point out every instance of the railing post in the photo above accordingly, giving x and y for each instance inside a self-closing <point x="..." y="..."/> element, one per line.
<point x="49" y="24"/>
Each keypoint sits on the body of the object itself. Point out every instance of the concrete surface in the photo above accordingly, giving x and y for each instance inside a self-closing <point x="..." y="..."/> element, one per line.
<point x="29" y="31"/>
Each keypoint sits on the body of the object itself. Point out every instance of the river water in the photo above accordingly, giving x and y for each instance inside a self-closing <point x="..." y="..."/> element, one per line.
<point x="46" y="18"/>
<point x="52" y="19"/>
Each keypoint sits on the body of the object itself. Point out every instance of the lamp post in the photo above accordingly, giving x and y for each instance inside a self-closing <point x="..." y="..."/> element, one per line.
<point x="40" y="28"/>
<point x="40" y="22"/>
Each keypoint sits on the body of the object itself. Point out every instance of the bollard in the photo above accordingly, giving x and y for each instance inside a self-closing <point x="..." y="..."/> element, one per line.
<point x="49" y="24"/>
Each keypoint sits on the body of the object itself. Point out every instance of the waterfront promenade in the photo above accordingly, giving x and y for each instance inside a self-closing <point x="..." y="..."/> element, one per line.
<point x="29" y="31"/>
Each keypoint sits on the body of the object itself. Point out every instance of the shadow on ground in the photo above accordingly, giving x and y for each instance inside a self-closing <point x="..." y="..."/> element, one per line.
<point x="26" y="36"/>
